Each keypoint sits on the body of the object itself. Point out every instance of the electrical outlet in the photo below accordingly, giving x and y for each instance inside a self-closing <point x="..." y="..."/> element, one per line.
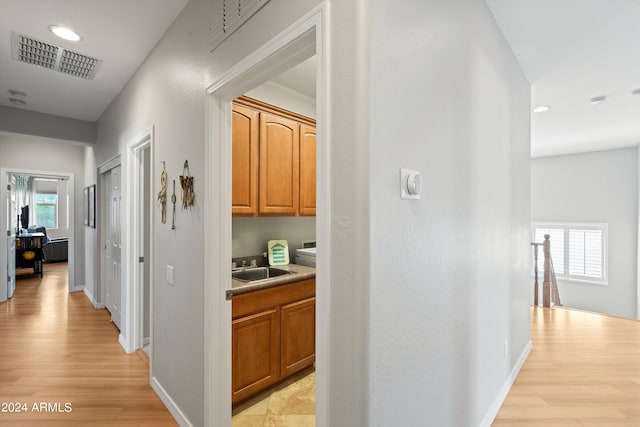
<point x="170" y="275"/>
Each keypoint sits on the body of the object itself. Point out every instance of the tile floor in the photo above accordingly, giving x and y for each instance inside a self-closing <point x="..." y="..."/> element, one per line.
<point x="290" y="404"/>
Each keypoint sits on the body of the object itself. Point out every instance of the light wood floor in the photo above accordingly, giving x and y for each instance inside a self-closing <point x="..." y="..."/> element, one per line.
<point x="584" y="370"/>
<point x="56" y="348"/>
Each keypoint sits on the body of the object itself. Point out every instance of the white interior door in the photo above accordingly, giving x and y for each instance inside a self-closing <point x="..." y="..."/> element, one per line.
<point x="114" y="245"/>
<point x="11" y="237"/>
<point x="146" y="254"/>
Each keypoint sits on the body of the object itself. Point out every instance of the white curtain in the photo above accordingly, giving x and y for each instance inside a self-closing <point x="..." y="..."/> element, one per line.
<point x="23" y="192"/>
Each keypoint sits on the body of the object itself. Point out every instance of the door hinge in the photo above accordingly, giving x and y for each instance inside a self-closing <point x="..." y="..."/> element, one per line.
<point x="8" y="233"/>
<point x="8" y="279"/>
<point x="141" y="259"/>
<point x="9" y="187"/>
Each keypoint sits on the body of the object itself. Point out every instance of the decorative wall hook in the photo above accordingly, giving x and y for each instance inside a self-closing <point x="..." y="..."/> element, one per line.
<point x="186" y="182"/>
<point x="162" y="195"/>
<point x="173" y="200"/>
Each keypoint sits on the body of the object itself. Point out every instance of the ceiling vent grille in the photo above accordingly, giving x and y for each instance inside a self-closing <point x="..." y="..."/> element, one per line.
<point x="229" y="15"/>
<point x="47" y="55"/>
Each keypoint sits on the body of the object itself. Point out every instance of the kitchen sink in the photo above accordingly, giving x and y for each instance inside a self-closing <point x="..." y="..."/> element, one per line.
<point x="258" y="273"/>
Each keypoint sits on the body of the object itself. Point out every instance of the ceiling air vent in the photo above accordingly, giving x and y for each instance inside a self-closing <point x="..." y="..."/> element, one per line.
<point x="228" y="16"/>
<point x="47" y="55"/>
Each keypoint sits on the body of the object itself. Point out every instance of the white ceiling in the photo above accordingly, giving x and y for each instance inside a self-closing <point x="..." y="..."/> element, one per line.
<point x="119" y="32"/>
<point x="572" y="51"/>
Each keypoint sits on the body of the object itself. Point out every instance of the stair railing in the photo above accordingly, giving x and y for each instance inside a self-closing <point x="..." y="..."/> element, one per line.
<point x="550" y="295"/>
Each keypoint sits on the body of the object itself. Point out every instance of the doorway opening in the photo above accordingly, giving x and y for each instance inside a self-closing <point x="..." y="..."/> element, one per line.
<point x="296" y="44"/>
<point x="31" y="196"/>
<point x="138" y="296"/>
<point x="274" y="203"/>
<point x="126" y="243"/>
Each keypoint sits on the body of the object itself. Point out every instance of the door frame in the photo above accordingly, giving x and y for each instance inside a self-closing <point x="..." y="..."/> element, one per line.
<point x="303" y="39"/>
<point x="104" y="191"/>
<point x="134" y="243"/>
<point x="100" y="293"/>
<point x="4" y="172"/>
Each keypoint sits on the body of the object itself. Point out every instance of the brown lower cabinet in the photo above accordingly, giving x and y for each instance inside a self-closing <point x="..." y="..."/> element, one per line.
<point x="273" y="336"/>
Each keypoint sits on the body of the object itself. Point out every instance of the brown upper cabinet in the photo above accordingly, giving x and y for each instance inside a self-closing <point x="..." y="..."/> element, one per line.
<point x="307" y="170"/>
<point x="274" y="161"/>
<point x="279" y="165"/>
<point x="245" y="128"/>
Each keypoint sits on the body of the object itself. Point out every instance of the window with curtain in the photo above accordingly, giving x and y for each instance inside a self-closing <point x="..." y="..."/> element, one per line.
<point x="578" y="251"/>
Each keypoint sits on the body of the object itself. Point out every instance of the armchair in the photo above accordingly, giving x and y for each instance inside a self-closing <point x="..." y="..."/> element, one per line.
<point x="53" y="250"/>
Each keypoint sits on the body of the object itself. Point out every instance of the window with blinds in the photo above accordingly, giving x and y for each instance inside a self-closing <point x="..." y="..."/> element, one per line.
<point x="578" y="251"/>
<point x="229" y="15"/>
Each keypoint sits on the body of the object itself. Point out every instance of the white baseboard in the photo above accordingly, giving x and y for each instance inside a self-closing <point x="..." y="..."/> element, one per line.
<point x="77" y="288"/>
<point x="506" y="387"/>
<point x="180" y="418"/>
<point x="125" y="345"/>
<point x="93" y="301"/>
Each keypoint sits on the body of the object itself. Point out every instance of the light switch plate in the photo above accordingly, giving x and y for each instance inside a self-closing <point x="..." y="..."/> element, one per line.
<point x="410" y="183"/>
<point x="170" y="275"/>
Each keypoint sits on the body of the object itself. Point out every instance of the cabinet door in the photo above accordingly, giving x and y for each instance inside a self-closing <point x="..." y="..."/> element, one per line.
<point x="255" y="356"/>
<point x="279" y="175"/>
<point x="297" y="336"/>
<point x="307" y="170"/>
<point x="244" y="194"/>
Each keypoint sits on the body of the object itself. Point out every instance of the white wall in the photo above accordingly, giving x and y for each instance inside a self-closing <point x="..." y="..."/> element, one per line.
<point x="594" y="187"/>
<point x="168" y="92"/>
<point x="24" y="152"/>
<point x="449" y="272"/>
<point x="250" y="235"/>
<point x="283" y="97"/>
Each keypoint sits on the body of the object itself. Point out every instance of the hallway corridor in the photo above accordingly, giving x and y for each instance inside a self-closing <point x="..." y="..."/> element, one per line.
<point x="56" y="349"/>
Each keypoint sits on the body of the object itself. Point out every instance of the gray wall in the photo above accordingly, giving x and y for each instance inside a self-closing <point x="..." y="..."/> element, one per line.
<point x="435" y="88"/>
<point x="168" y="92"/>
<point x="594" y="187"/>
<point x="24" y="152"/>
<point x="55" y="129"/>
<point x="425" y="294"/>
<point x="90" y="257"/>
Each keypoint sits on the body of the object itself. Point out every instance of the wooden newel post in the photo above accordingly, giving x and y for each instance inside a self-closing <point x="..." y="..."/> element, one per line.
<point x="546" y="283"/>
<point x="535" y="269"/>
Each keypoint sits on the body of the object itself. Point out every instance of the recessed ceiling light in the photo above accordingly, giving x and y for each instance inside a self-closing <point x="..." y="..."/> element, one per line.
<point x="64" y="33"/>
<point x="597" y="100"/>
<point x="635" y="92"/>
<point x="16" y="101"/>
<point x="541" y="109"/>
<point x="17" y="94"/>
